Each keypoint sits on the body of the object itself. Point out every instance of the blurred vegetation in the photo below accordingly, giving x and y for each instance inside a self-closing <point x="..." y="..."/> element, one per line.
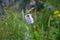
<point x="13" y="25"/>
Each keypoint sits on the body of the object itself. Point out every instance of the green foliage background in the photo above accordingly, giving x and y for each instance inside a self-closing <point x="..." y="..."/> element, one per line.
<point x="13" y="26"/>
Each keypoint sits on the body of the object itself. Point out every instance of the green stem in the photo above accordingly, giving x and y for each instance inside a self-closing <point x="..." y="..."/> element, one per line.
<point x="48" y="32"/>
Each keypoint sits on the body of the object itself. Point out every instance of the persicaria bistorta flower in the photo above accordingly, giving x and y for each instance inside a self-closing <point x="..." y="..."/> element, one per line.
<point x="29" y="18"/>
<point x="49" y="7"/>
<point x="32" y="3"/>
